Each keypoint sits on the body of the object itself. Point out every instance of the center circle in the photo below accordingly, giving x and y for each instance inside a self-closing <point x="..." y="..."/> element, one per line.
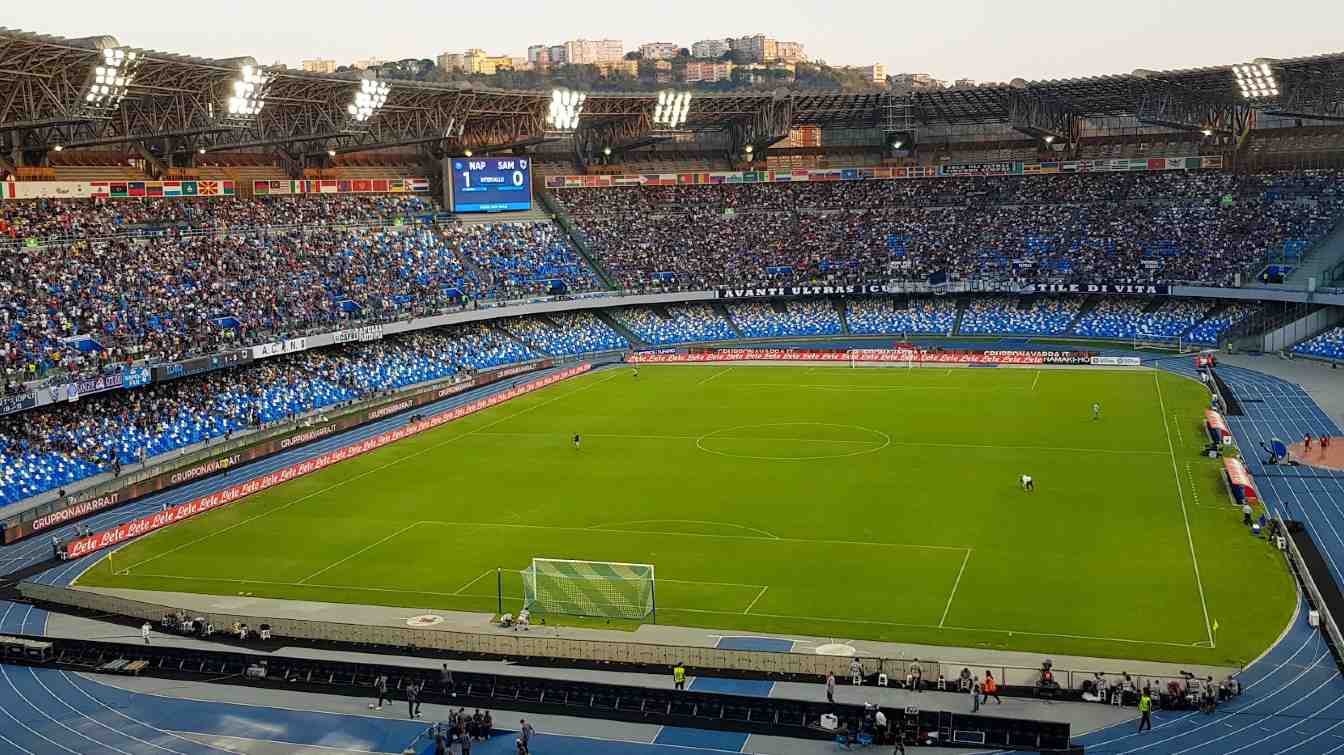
<point x="793" y="441"/>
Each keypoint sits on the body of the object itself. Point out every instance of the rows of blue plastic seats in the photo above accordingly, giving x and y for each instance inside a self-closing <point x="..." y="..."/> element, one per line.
<point x="1112" y="318"/>
<point x="1211" y="329"/>
<point x="683" y="324"/>
<point x="997" y="314"/>
<point x="868" y="316"/>
<point x="1329" y="344"/>
<point x="525" y="257"/>
<point x="799" y="318"/>
<point x="313" y="381"/>
<point x="573" y="333"/>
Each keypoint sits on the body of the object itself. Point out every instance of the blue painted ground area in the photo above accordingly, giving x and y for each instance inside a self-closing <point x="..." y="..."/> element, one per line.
<point x="703" y="739"/>
<point x="749" y="687"/>
<point x="766" y="644"/>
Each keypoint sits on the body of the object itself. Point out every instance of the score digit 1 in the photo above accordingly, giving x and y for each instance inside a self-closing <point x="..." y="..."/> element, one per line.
<point x="466" y="179"/>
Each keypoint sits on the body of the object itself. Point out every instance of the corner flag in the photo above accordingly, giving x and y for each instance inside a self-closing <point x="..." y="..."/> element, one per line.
<point x="1215" y="625"/>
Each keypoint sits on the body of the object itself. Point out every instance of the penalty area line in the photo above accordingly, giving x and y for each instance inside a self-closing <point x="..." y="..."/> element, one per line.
<point x="955" y="585"/>
<point x="721" y="372"/>
<point x="1185" y="515"/>
<point x="755" y="600"/>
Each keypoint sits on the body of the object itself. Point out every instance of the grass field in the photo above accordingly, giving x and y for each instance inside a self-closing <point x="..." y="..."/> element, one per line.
<point x="853" y="503"/>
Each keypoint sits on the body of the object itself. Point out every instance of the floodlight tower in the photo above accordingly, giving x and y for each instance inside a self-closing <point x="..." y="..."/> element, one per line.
<point x="564" y="110"/>
<point x="1256" y="80"/>
<point x="369" y="98"/>
<point x="108" y="82"/>
<point x="671" y="111"/>
<point x="246" y="95"/>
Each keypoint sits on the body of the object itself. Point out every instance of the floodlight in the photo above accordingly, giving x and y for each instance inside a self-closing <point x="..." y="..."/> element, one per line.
<point x="331" y="153"/>
<point x="750" y="149"/>
<point x="1049" y="138"/>
<point x="466" y="153"/>
<point x="606" y="151"/>
<point x="671" y="110"/>
<point x="1256" y="80"/>
<point x="248" y="92"/>
<point x="111" y="79"/>
<point x="565" y="108"/>
<point x="57" y="148"/>
<point x="200" y="150"/>
<point x="1206" y="131"/>
<point x="370" y="97"/>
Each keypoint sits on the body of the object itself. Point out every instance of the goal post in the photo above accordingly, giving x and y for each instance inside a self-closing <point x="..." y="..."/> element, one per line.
<point x="604" y="589"/>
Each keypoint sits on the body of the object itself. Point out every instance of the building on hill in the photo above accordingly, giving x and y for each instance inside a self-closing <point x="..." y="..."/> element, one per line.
<point x="704" y="71"/>
<point x="659" y="50"/>
<point x="910" y="82"/>
<point x="319" y="65"/>
<point x="588" y="51"/>
<point x="538" y="56"/>
<point x="710" y="48"/>
<point x="366" y="63"/>
<point x="790" y="52"/>
<point x="559" y="55"/>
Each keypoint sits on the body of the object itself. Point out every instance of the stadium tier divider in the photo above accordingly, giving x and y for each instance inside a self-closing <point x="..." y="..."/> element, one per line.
<point x="510" y="644"/>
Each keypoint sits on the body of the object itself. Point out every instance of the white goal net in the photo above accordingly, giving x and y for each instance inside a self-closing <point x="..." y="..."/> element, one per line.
<point x="608" y="589"/>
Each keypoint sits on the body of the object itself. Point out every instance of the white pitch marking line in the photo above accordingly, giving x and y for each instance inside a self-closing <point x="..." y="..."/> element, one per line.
<point x="379" y="468"/>
<point x="756" y="600"/>
<point x="1037" y="380"/>
<point x="723" y="371"/>
<point x="463" y="588"/>
<point x="955" y="585"/>
<point x="1185" y="516"/>
<point x="363" y="550"/>
<point x="1180" y="436"/>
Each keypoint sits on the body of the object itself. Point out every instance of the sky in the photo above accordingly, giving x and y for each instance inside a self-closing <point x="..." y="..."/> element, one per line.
<point x="950" y="39"/>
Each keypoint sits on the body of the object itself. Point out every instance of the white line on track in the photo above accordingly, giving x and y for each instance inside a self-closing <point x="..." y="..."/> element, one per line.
<point x="363" y="550"/>
<point x="955" y="585"/>
<point x="379" y="468"/>
<point x="756" y="599"/>
<point x="1185" y="516"/>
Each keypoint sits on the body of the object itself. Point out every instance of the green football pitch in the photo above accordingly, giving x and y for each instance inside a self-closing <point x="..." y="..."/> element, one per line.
<point x="866" y="503"/>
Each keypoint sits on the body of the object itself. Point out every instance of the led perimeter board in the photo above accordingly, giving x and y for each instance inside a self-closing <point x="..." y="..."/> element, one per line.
<point x="491" y="184"/>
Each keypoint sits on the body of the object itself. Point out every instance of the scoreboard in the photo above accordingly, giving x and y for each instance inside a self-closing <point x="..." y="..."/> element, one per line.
<point x="491" y="184"/>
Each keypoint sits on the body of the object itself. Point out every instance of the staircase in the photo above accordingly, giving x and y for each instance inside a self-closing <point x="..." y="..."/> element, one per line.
<point x="961" y="311"/>
<point x="576" y="237"/>
<point x="615" y="324"/>
<point x="1324" y="262"/>
<point x="723" y="312"/>
<point x="1089" y="304"/>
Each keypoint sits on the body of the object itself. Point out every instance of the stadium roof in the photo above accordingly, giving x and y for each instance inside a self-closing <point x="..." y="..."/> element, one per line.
<point x="181" y="97"/>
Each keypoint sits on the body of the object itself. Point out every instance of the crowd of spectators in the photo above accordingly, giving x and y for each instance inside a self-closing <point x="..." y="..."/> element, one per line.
<point x="873" y="316"/>
<point x="91" y="305"/>
<point x="565" y="333"/>
<point x="681" y="324"/>
<point x="50" y="219"/>
<point x="1112" y="318"/>
<point x="1200" y="226"/>
<point x="54" y="446"/>
<point x="1327" y="345"/>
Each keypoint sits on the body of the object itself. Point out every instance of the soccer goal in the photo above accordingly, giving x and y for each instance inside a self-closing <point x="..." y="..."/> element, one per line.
<point x="1145" y="341"/>
<point x="606" y="589"/>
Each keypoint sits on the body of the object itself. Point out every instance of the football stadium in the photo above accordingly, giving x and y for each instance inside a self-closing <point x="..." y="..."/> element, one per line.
<point x="658" y="399"/>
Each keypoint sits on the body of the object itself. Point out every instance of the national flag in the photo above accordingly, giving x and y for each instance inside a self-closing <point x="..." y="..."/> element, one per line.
<point x="172" y="188"/>
<point x="153" y="189"/>
<point x="188" y="188"/>
<point x="360" y="186"/>
<point x="207" y="188"/>
<point x="118" y="189"/>
<point x="261" y="188"/>
<point x="379" y="185"/>
<point x="422" y="184"/>
<point x="228" y="187"/>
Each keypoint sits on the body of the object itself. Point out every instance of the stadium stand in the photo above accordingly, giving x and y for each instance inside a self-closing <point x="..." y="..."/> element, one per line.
<point x="1170" y="226"/>
<point x="1208" y="331"/>
<point x="797" y="318"/>
<point x="681" y="324"/>
<point x="1041" y="316"/>
<point x="566" y="333"/>
<point x="1112" y="318"/>
<point x="1327" y="345"/>
<point x="871" y="316"/>
<point x="523" y="259"/>
<point x="58" y="445"/>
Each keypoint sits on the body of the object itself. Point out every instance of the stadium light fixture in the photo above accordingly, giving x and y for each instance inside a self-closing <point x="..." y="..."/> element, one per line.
<point x="466" y="153"/>
<point x="750" y="149"/>
<point x="1049" y="138"/>
<point x="247" y="93"/>
<point x="1206" y="131"/>
<point x="897" y="144"/>
<point x="331" y="153"/>
<point x="56" y="148"/>
<point x="565" y="108"/>
<point x="1256" y="80"/>
<point x="671" y="110"/>
<point x="369" y="98"/>
<point x="200" y="150"/>
<point x="606" y="151"/>
<point x="110" y="79"/>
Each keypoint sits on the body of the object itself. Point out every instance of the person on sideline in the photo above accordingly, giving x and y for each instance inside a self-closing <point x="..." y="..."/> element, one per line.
<point x="379" y="686"/>
<point x="990" y="688"/>
<point x="144" y="631"/>
<point x="679" y="676"/>
<point x="830" y="687"/>
<point x="1145" y="712"/>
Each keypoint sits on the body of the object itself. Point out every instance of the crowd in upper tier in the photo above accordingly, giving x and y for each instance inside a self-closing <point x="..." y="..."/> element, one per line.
<point x="1166" y="226"/>
<point x="90" y="304"/>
